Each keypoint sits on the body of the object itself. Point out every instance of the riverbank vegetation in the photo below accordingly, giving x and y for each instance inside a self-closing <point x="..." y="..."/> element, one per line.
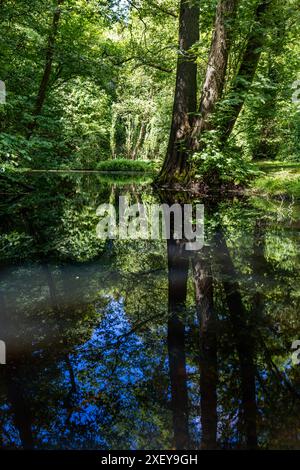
<point x="92" y="84"/>
<point x="284" y="183"/>
<point x="125" y="165"/>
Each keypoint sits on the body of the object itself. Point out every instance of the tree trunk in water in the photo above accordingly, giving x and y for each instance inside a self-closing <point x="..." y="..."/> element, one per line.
<point x="16" y="380"/>
<point x="248" y="67"/>
<point x="208" y="349"/>
<point x="47" y="69"/>
<point x="216" y="69"/>
<point x="243" y="338"/>
<point x="19" y="403"/>
<point x="185" y="98"/>
<point x="178" y="273"/>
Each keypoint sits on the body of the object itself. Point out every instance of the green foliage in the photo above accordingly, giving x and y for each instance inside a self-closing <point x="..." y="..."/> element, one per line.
<point x="98" y="311"/>
<point x="16" y="245"/>
<point x="268" y="127"/>
<point x="73" y="127"/>
<point x="98" y="103"/>
<point x="100" y="314"/>
<point x="217" y="165"/>
<point x="85" y="120"/>
<point x="280" y="183"/>
<point x="122" y="164"/>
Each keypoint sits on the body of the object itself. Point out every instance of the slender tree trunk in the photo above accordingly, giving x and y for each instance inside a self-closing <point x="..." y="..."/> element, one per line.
<point x="140" y="139"/>
<point x="208" y="349"/>
<point x="113" y="146"/>
<point x="243" y="338"/>
<point x="178" y="274"/>
<point x="40" y="99"/>
<point x="248" y="66"/>
<point x="185" y="98"/>
<point x="129" y="133"/>
<point x="216" y="69"/>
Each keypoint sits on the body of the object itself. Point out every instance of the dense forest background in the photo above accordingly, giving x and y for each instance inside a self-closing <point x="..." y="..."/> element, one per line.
<point x="90" y="81"/>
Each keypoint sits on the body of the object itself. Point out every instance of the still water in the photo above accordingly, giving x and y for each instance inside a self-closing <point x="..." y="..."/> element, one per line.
<point x="139" y="344"/>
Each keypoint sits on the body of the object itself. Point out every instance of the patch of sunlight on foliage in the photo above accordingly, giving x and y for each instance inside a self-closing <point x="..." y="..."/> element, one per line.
<point x="285" y="183"/>
<point x="15" y="244"/>
<point x="278" y="164"/>
<point x="227" y="165"/>
<point x="79" y="241"/>
<point x="281" y="250"/>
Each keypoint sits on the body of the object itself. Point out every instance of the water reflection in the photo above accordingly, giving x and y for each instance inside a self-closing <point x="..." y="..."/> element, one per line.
<point x="143" y="344"/>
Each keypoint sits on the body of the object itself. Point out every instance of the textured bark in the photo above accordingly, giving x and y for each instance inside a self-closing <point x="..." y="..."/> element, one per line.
<point x="208" y="349"/>
<point x="140" y="140"/>
<point x="217" y="67"/>
<point x="186" y="125"/>
<point x="185" y="98"/>
<point x="41" y="96"/>
<point x="248" y="66"/>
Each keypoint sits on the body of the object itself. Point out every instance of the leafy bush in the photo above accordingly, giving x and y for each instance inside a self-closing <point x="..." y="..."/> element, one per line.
<point x="214" y="165"/>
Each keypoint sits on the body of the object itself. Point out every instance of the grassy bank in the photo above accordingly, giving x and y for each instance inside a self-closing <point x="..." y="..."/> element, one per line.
<point x="279" y="179"/>
<point x="274" y="165"/>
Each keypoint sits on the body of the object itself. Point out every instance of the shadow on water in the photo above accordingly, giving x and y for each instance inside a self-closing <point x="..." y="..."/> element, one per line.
<point x="139" y="344"/>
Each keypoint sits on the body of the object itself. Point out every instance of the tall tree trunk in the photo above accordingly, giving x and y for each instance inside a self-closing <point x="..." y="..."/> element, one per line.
<point x="216" y="69"/>
<point x="185" y="98"/>
<point x="248" y="66"/>
<point x="40" y="99"/>
<point x="208" y="349"/>
<point x="178" y="273"/>
<point x="243" y="335"/>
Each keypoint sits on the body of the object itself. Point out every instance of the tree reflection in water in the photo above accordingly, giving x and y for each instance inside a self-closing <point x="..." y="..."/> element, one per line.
<point x="142" y="344"/>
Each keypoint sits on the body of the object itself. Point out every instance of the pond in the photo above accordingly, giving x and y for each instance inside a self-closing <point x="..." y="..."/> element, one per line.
<point x="142" y="344"/>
